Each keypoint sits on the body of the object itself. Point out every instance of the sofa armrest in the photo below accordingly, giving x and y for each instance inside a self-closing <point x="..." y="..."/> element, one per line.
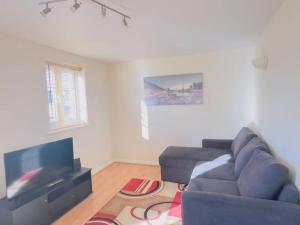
<point x="203" y="208"/>
<point x="216" y="143"/>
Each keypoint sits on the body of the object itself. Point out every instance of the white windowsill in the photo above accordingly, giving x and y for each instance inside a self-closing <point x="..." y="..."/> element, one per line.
<point x="63" y="129"/>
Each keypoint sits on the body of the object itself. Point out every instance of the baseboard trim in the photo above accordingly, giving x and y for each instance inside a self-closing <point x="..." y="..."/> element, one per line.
<point x="103" y="166"/>
<point x="144" y="162"/>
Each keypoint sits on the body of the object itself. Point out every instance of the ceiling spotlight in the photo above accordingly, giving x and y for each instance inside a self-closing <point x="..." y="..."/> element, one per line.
<point x="125" y="21"/>
<point x="75" y="6"/>
<point x="103" y="10"/>
<point x="46" y="11"/>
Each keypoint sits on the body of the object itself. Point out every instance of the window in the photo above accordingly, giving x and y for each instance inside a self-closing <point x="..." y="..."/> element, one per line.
<point x="66" y="96"/>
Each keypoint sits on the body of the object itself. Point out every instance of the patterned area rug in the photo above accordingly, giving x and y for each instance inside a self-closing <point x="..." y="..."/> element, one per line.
<point x="143" y="202"/>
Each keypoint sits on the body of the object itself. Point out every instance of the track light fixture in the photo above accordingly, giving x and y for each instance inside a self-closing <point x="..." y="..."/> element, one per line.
<point x="77" y="5"/>
<point x="46" y="11"/>
<point x="103" y="10"/>
<point x="125" y="21"/>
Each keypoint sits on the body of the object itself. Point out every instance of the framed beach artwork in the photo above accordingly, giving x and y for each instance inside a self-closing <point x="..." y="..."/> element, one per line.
<point x="181" y="89"/>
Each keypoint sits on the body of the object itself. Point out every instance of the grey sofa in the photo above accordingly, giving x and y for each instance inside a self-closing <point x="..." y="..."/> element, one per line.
<point x="232" y="182"/>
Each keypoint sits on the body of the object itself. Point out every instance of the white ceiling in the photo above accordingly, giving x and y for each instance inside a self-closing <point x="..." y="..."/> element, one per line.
<point x="158" y="28"/>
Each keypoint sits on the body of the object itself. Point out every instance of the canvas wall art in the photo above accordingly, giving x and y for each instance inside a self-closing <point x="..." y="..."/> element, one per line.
<point x="182" y="89"/>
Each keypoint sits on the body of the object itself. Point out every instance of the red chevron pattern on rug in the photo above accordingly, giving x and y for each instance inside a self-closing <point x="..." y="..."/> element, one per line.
<point x="143" y="202"/>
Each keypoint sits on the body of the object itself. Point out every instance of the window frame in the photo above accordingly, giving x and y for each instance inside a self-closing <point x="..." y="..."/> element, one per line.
<point x="62" y="124"/>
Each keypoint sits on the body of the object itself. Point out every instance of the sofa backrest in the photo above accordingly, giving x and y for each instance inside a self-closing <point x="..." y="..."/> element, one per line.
<point x="246" y="153"/>
<point x="243" y="137"/>
<point x="262" y="177"/>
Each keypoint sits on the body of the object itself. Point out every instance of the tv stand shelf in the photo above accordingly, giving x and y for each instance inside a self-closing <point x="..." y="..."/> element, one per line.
<point x="49" y="202"/>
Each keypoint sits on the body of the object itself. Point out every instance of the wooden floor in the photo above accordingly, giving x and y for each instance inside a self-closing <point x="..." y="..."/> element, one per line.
<point x="106" y="184"/>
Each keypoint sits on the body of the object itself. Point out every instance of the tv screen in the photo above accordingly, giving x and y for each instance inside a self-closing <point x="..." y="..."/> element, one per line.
<point x="36" y="166"/>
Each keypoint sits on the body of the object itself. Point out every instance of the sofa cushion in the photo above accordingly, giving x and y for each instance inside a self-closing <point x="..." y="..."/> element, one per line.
<point x="262" y="177"/>
<point x="186" y="157"/>
<point x="289" y="193"/>
<point x="213" y="186"/>
<point x="246" y="153"/>
<point x="243" y="137"/>
<point x="217" y="169"/>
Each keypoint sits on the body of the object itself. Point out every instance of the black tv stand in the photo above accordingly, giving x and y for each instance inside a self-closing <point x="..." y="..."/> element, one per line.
<point x="46" y="204"/>
<point x="55" y="183"/>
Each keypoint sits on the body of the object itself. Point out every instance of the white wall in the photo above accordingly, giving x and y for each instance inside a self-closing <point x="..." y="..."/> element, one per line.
<point x="278" y="88"/>
<point x="23" y="103"/>
<point x="228" y="103"/>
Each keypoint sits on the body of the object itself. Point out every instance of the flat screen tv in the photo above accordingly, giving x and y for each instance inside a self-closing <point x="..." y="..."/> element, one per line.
<point x="37" y="166"/>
